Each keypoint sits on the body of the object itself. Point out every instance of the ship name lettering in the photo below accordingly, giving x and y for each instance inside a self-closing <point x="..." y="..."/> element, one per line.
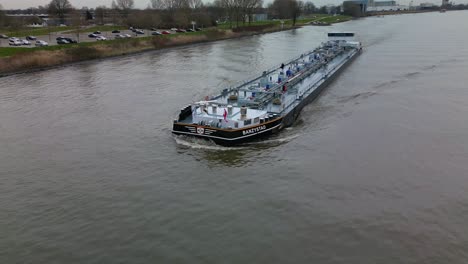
<point x="253" y="130"/>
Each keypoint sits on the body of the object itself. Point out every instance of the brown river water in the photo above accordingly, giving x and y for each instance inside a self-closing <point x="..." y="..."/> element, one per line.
<point x="374" y="171"/>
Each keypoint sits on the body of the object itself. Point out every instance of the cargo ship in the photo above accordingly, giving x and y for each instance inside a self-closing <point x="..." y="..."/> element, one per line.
<point x="269" y="102"/>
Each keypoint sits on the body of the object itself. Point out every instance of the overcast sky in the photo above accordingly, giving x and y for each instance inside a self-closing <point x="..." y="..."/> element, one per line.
<point x="12" y="4"/>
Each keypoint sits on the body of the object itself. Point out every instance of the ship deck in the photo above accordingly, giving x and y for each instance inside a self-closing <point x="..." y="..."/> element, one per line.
<point x="258" y="99"/>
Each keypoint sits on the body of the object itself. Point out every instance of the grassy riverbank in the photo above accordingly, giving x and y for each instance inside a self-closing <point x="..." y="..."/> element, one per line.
<point x="17" y="59"/>
<point x="288" y="22"/>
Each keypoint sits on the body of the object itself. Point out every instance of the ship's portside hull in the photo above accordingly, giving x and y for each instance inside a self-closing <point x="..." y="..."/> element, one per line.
<point x="228" y="137"/>
<point x="290" y="117"/>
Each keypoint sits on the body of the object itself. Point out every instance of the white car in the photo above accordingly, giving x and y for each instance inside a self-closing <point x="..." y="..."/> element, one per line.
<point x="25" y="42"/>
<point x="101" y="38"/>
<point x="41" y="43"/>
<point x="173" y="29"/>
<point x="120" y="36"/>
<point x="13" y="39"/>
<point x="15" y="42"/>
<point x="127" y="35"/>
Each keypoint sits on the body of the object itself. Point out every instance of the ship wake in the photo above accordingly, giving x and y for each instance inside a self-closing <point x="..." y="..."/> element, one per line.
<point x="197" y="143"/>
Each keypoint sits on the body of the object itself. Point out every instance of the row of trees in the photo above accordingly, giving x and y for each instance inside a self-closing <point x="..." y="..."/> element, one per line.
<point x="238" y="10"/>
<point x="284" y="9"/>
<point x="172" y="13"/>
<point x="158" y="13"/>
<point x="182" y="12"/>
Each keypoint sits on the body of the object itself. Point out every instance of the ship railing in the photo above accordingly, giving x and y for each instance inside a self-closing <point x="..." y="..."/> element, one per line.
<point x="312" y="85"/>
<point x="265" y="96"/>
<point x="238" y="85"/>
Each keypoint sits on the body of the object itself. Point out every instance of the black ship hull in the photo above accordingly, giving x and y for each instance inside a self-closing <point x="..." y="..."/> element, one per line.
<point x="229" y="137"/>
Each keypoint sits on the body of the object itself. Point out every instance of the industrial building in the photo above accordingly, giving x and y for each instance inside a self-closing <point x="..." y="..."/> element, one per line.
<point x="377" y="6"/>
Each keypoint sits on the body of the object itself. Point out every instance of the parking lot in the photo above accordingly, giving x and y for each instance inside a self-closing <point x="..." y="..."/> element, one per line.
<point x="83" y="37"/>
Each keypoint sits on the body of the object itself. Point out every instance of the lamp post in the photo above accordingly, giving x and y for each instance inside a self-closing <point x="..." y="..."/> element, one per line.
<point x="193" y="25"/>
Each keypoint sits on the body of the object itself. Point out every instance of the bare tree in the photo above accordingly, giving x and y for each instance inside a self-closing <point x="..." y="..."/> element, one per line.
<point x="158" y="4"/>
<point x="195" y="4"/>
<point x="230" y="7"/>
<point x="144" y="18"/>
<point x="59" y="8"/>
<point x="181" y="12"/>
<point x="323" y="9"/>
<point x="169" y="4"/>
<point x="77" y="21"/>
<point x="100" y="14"/>
<point x="124" y="6"/>
<point x="286" y="9"/>
<point x="295" y="9"/>
<point x="308" y="8"/>
<point x="351" y="9"/>
<point x="180" y="18"/>
<point x="279" y="9"/>
<point x="249" y="7"/>
<point x="216" y="11"/>
<point x="2" y="16"/>
<point x="233" y="10"/>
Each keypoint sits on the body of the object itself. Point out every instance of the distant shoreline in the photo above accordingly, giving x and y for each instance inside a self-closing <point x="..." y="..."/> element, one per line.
<point x="401" y="12"/>
<point x="40" y="60"/>
<point x="31" y="61"/>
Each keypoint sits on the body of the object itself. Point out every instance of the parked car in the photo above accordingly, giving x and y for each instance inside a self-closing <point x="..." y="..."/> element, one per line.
<point x="92" y="35"/>
<point x="165" y="32"/>
<point x="68" y="40"/>
<point x="101" y="38"/>
<point x="173" y="29"/>
<point x="41" y="43"/>
<point x="2" y="36"/>
<point x="15" y="42"/>
<point x="156" y="33"/>
<point x="198" y="29"/>
<point x="179" y="30"/>
<point x="25" y="42"/>
<point x="13" y="39"/>
<point x="127" y="35"/>
<point x="115" y="31"/>
<point x="62" y="41"/>
<point x="119" y="36"/>
<point x="133" y="30"/>
<point x="141" y="32"/>
<point x="97" y="32"/>
<point x="153" y="29"/>
<point x="190" y="30"/>
<point x="31" y="38"/>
